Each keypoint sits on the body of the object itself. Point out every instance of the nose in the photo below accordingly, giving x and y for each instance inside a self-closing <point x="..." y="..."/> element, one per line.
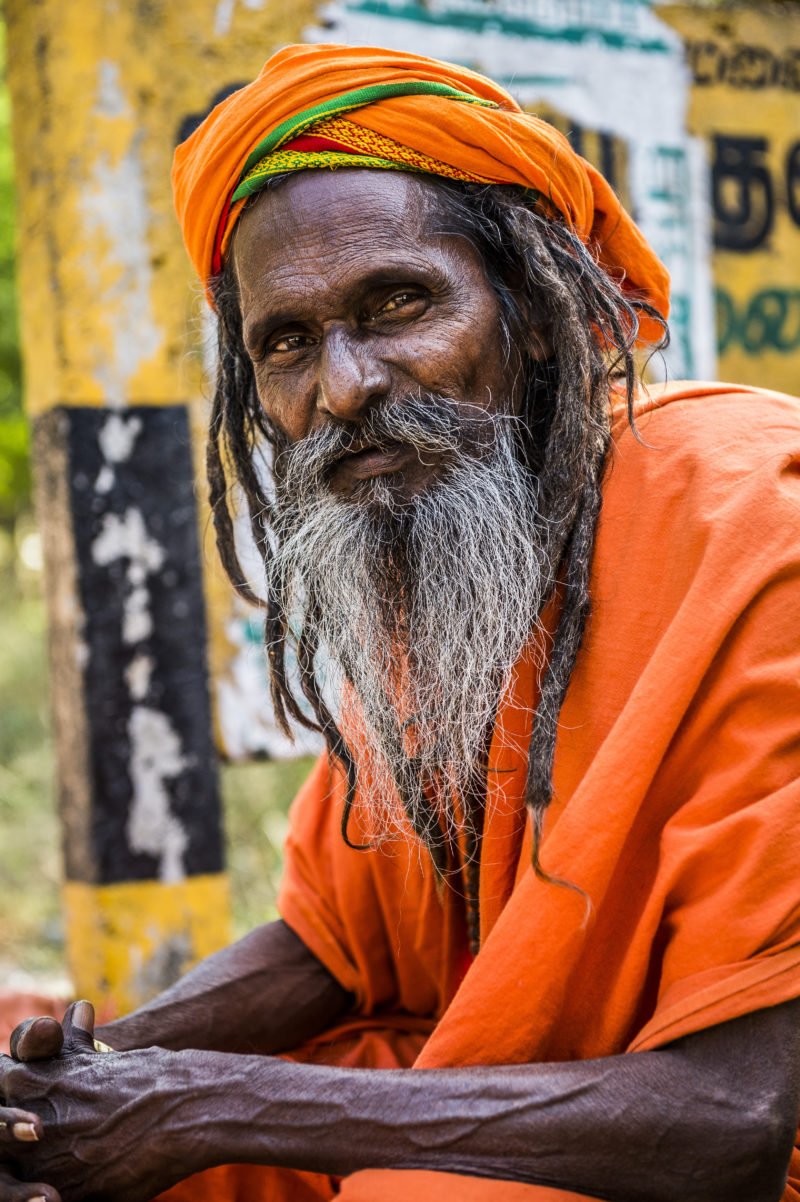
<point x="351" y="375"/>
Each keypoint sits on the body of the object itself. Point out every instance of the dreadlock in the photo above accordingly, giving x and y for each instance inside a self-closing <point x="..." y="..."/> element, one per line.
<point x="548" y="284"/>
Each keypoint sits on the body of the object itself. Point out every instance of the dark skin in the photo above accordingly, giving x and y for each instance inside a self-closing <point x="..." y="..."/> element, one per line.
<point x="348" y="299"/>
<point x="709" y="1119"/>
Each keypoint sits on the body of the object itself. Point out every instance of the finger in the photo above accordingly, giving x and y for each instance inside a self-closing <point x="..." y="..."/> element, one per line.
<point x="12" y="1190"/>
<point x="19" y="1126"/>
<point x="79" y="1027"/>
<point x="37" y="1039"/>
<point x="8" y="1070"/>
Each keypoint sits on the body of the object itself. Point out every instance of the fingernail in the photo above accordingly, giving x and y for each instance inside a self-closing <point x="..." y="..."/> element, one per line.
<point x="38" y="1198"/>
<point x="26" y="1132"/>
<point x="83" y="1015"/>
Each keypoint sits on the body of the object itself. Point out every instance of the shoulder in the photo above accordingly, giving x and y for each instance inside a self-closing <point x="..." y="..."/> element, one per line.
<point x="707" y="410"/>
<point x="706" y="489"/>
<point x="707" y="438"/>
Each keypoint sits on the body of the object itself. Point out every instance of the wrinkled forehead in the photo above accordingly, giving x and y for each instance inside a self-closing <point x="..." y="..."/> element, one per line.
<point x="316" y="216"/>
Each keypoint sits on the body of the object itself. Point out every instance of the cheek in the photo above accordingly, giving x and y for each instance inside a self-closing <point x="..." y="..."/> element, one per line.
<point x="430" y="356"/>
<point x="283" y="403"/>
<point x="458" y="355"/>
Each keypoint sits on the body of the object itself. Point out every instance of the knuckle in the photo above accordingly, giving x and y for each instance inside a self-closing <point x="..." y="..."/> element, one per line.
<point x="15" y="1080"/>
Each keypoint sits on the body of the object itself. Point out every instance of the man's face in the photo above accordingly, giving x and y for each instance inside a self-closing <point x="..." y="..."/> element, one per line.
<point x="349" y="299"/>
<point x="408" y="546"/>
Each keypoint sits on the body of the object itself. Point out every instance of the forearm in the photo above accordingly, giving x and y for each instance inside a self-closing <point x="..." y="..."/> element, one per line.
<point x="710" y="1119"/>
<point x="625" y="1128"/>
<point x="264" y="994"/>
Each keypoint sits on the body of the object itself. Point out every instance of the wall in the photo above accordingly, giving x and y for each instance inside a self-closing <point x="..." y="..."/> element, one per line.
<point x="745" y="106"/>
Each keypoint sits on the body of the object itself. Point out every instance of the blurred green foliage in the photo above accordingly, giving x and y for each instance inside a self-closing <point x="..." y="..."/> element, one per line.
<point x="30" y="919"/>
<point x="15" y="480"/>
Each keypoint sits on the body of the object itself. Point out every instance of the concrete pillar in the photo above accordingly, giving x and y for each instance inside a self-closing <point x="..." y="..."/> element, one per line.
<point x="111" y="326"/>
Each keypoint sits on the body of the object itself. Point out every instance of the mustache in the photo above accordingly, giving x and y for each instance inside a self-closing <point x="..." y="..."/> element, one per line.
<point x="429" y="423"/>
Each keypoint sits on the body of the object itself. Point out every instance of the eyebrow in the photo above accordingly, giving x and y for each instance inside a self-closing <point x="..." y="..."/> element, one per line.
<point x="284" y="313"/>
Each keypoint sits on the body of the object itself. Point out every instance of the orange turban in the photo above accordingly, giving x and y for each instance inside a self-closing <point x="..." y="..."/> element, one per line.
<point x="326" y="105"/>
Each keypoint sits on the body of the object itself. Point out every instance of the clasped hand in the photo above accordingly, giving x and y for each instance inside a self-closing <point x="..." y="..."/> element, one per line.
<point x="79" y="1125"/>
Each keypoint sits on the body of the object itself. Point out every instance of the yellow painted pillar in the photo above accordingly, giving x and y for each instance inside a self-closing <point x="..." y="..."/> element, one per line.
<point x="111" y="325"/>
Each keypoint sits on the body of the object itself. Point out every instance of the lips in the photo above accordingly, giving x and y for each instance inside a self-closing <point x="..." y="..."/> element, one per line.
<point x="373" y="460"/>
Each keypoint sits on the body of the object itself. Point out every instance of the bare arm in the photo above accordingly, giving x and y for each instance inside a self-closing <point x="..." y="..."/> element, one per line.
<point x="263" y="994"/>
<point x="710" y="1119"/>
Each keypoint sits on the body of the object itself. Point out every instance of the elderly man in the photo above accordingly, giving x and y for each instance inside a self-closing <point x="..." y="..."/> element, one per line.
<point x="540" y="931"/>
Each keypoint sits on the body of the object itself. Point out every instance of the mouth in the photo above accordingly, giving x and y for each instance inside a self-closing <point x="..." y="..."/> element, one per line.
<point x="370" y="461"/>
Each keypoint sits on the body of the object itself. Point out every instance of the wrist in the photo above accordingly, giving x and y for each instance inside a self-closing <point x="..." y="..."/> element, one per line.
<point x="121" y="1035"/>
<point x="196" y="1090"/>
<point x="147" y="1028"/>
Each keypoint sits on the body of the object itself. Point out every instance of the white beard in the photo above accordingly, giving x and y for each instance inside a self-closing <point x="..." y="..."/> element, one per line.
<point x="425" y="605"/>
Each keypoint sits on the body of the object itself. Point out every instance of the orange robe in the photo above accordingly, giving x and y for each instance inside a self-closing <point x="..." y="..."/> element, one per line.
<point x="677" y="802"/>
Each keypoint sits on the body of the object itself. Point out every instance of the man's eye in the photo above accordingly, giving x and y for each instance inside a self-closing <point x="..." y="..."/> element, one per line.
<point x="400" y="300"/>
<point x="287" y="343"/>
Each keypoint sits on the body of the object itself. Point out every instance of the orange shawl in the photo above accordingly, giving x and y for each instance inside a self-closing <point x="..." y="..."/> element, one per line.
<point x="490" y="139"/>
<point x="677" y="783"/>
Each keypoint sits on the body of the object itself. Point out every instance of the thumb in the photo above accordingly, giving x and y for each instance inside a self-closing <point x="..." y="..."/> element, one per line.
<point x="36" y="1039"/>
<point x="78" y="1024"/>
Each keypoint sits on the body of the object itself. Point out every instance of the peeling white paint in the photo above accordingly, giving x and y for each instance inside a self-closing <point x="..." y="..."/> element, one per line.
<point x="156" y="758"/>
<point x="138" y="675"/>
<point x="105" y="479"/>
<point x="126" y="537"/>
<point x="137" y="572"/>
<point x="114" y="206"/>
<point x="137" y="623"/>
<point x="223" y="16"/>
<point x="156" y="751"/>
<point x="247" y="720"/>
<point x="110" y="101"/>
<point x="118" y="436"/>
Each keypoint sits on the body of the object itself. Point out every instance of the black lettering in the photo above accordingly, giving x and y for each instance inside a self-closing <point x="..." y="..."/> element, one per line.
<point x="793" y="182"/>
<point x="191" y="121"/>
<point x="742" y="194"/>
<point x="790" y="74"/>
<point x="752" y="67"/>
<point x="705" y="62"/>
<point x="742" y="65"/>
<point x="576" y="136"/>
<point x="608" y="160"/>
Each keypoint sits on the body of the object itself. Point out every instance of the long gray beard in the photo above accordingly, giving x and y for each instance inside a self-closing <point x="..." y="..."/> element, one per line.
<point x="424" y="606"/>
